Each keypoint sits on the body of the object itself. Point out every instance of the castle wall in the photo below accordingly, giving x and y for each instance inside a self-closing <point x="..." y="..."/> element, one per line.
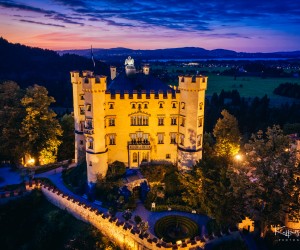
<point x="120" y="232"/>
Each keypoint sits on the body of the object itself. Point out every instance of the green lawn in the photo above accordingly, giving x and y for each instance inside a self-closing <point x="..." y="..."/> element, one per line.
<point x="247" y="86"/>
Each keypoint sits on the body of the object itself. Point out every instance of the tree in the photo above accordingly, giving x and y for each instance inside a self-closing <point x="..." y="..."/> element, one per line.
<point x="66" y="149"/>
<point x="11" y="115"/>
<point x="227" y="135"/>
<point x="40" y="129"/>
<point x="272" y="162"/>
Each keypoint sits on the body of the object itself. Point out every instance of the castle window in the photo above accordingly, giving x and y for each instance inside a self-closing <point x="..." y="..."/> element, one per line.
<point x="173" y="138"/>
<point x="174" y="105"/>
<point x="81" y="142"/>
<point x="203" y="79"/>
<point x="81" y="125"/>
<point x="139" y="106"/>
<point x="90" y="143"/>
<point x="81" y="97"/>
<point x="88" y="123"/>
<point x="182" y="140"/>
<point x="182" y="105"/>
<point x="112" y="139"/>
<point x="145" y="156"/>
<point x="200" y="122"/>
<point x="111" y="121"/>
<point x="81" y="110"/>
<point x="199" y="139"/>
<point x="182" y="122"/>
<point x="173" y="121"/>
<point x="201" y="105"/>
<point x="168" y="156"/>
<point x="160" y="138"/>
<point x="161" y="105"/>
<point x="111" y="106"/>
<point x="133" y="105"/>
<point x="89" y="107"/>
<point x="134" y="157"/>
<point x="140" y="120"/>
<point x="91" y="164"/>
<point x="145" y="106"/>
<point x="160" y="121"/>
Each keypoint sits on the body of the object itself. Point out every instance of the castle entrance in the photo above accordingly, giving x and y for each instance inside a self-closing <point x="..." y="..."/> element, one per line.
<point x="137" y="154"/>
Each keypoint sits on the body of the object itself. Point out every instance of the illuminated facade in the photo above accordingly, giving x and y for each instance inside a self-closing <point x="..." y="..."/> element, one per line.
<point x="136" y="118"/>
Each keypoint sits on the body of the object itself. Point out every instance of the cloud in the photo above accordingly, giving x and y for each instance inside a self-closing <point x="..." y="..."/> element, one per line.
<point x="41" y="23"/>
<point x="47" y="13"/>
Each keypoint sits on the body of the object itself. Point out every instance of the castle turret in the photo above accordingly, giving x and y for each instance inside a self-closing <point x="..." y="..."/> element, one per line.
<point x="191" y="119"/>
<point x="79" y="116"/>
<point x="94" y="88"/>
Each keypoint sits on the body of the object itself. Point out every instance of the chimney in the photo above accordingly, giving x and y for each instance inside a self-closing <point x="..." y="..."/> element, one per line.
<point x="113" y="72"/>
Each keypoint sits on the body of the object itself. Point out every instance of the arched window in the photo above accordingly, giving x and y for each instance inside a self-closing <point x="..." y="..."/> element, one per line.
<point x="134" y="157"/>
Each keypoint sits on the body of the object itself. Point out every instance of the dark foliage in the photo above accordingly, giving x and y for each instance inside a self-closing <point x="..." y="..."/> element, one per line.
<point x="252" y="114"/>
<point x="28" y="66"/>
<point x="288" y="89"/>
<point x="75" y="178"/>
<point x="33" y="223"/>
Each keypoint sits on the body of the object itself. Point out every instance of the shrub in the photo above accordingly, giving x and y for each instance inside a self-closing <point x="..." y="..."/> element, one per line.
<point x="137" y="219"/>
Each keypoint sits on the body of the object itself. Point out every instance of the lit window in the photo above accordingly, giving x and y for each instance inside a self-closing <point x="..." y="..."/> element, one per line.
<point x="111" y="121"/>
<point x="173" y="138"/>
<point x="160" y="138"/>
<point x="160" y="121"/>
<point x="200" y="122"/>
<point x="168" y="156"/>
<point x="134" y="157"/>
<point x="182" y="122"/>
<point x="199" y="140"/>
<point x="173" y="121"/>
<point x="140" y="120"/>
<point x="112" y="139"/>
<point x="182" y="105"/>
<point x="145" y="156"/>
<point x="88" y="124"/>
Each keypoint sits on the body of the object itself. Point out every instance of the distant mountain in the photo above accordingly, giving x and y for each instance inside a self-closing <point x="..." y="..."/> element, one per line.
<point x="175" y="53"/>
<point x="27" y="66"/>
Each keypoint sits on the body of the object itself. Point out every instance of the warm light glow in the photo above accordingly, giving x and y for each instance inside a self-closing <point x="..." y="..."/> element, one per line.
<point x="238" y="157"/>
<point x="31" y="161"/>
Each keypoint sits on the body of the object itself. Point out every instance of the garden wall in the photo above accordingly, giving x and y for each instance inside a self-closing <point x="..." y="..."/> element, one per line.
<point x="120" y="232"/>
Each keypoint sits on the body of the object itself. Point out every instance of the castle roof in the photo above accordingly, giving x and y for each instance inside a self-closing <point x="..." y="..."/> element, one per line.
<point x="137" y="82"/>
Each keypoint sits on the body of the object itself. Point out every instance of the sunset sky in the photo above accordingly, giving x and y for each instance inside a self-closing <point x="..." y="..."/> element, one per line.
<point x="248" y="26"/>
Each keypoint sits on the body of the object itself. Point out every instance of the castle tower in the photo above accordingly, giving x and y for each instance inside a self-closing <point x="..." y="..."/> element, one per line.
<point x="94" y="88"/>
<point x="113" y="72"/>
<point x="191" y="120"/>
<point x="79" y="117"/>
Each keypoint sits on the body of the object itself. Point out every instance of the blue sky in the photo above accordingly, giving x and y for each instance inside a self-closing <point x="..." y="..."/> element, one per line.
<point x="250" y="26"/>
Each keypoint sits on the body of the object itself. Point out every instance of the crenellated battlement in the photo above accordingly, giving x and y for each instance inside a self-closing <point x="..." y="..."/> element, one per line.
<point x="124" y="234"/>
<point x="189" y="83"/>
<point x="152" y="94"/>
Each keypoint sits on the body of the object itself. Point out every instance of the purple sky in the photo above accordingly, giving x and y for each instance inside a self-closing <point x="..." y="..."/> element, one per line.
<point x="250" y="26"/>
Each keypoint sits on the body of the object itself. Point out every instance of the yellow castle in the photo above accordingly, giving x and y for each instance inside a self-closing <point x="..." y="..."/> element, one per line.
<point x="136" y="118"/>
